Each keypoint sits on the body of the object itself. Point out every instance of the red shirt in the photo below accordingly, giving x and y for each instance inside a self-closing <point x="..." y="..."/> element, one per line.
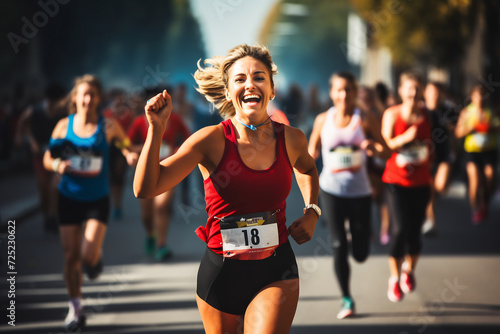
<point x="174" y="135"/>
<point x="410" y="175"/>
<point x="234" y="188"/>
<point x="125" y="118"/>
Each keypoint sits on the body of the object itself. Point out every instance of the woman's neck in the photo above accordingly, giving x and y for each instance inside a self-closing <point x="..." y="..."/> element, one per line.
<point x="343" y="116"/>
<point x="345" y="110"/>
<point x="253" y="131"/>
<point x="409" y="109"/>
<point x="86" y="117"/>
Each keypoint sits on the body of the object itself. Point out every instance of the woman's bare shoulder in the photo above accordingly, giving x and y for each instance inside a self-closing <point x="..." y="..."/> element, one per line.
<point x="61" y="128"/>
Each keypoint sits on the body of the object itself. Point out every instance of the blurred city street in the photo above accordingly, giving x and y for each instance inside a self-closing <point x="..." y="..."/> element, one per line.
<point x="457" y="276"/>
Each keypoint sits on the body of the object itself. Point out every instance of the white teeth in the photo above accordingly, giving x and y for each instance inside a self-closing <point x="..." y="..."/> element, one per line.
<point x="253" y="96"/>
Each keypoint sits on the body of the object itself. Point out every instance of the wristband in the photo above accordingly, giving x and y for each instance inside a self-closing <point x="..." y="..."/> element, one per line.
<point x="316" y="209"/>
<point x="55" y="164"/>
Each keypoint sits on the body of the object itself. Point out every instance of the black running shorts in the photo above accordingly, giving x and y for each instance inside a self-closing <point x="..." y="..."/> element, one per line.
<point x="73" y="212"/>
<point x="229" y="285"/>
<point x="481" y="159"/>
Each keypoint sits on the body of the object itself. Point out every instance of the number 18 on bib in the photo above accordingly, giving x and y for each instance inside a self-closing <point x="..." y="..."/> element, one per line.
<point x="249" y="237"/>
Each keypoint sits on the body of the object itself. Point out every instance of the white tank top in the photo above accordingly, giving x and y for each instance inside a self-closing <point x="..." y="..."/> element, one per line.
<point x="344" y="162"/>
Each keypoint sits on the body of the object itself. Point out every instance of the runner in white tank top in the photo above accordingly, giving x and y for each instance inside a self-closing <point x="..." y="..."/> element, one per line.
<point x="339" y="134"/>
<point x="344" y="171"/>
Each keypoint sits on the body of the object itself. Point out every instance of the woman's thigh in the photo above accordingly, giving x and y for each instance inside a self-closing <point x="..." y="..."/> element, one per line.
<point x="273" y="308"/>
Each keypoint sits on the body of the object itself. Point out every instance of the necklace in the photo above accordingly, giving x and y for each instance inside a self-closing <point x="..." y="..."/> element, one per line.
<point x="253" y="127"/>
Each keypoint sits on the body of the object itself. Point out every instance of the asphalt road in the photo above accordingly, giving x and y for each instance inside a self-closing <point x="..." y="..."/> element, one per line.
<point x="457" y="276"/>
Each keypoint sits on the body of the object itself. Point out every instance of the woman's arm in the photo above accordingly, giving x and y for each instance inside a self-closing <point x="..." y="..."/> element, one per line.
<point x="152" y="178"/>
<point x="116" y="134"/>
<point x="377" y="146"/>
<point x="462" y="129"/>
<point x="396" y="142"/>
<point x="315" y="138"/>
<point x="56" y="164"/>
<point x="306" y="174"/>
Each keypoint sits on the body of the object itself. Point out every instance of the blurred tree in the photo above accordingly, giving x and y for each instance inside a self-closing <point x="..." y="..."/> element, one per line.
<point x="436" y="32"/>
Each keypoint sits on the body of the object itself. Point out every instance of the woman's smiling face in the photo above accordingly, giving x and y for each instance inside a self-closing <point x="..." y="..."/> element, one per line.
<point x="86" y="97"/>
<point x="249" y="86"/>
<point x="343" y="93"/>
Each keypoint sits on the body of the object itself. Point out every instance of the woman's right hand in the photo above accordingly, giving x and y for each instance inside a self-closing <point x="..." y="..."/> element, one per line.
<point x="158" y="110"/>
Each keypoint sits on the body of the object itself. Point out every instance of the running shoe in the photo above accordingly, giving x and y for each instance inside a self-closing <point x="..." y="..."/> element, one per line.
<point x="480" y="215"/>
<point x="75" y="320"/>
<point x="429" y="227"/>
<point x="394" y="292"/>
<point x="93" y="271"/>
<point x="163" y="253"/>
<point x="347" y="309"/>
<point x="408" y="283"/>
<point x="150" y="245"/>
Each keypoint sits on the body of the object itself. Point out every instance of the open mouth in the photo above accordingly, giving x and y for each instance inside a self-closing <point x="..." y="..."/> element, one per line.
<point x="252" y="98"/>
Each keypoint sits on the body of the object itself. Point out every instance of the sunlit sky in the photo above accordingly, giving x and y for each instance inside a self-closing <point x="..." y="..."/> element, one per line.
<point x="227" y="23"/>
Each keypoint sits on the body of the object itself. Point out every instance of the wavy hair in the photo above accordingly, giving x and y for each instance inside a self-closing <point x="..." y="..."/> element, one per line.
<point x="212" y="79"/>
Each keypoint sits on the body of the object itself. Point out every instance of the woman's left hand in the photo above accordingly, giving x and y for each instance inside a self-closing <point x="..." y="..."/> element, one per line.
<point x="302" y="229"/>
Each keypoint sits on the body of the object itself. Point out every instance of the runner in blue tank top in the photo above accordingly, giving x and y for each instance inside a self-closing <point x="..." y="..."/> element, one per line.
<point x="79" y="151"/>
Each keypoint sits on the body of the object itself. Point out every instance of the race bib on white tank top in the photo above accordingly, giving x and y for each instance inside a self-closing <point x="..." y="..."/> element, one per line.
<point x="344" y="158"/>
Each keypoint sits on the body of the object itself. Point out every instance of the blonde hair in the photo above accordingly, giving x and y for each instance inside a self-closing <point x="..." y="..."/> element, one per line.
<point x="212" y="80"/>
<point x="86" y="78"/>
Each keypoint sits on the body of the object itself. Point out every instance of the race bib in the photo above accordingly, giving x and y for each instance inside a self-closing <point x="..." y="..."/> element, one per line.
<point x="344" y="159"/>
<point x="480" y="139"/>
<point x="165" y="151"/>
<point x="86" y="165"/>
<point x="249" y="237"/>
<point x="413" y="155"/>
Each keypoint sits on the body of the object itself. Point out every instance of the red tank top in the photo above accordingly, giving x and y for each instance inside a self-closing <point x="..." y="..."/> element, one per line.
<point x="234" y="188"/>
<point x="416" y="173"/>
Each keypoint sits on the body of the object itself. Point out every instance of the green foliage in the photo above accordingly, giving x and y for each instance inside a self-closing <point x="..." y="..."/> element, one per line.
<point x="434" y="32"/>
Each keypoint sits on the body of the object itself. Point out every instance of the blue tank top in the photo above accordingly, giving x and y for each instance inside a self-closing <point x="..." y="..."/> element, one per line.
<point x="90" y="163"/>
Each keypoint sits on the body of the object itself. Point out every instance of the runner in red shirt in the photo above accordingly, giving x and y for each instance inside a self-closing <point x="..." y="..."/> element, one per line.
<point x="406" y="130"/>
<point x="248" y="276"/>
<point x="156" y="212"/>
<point x="119" y="110"/>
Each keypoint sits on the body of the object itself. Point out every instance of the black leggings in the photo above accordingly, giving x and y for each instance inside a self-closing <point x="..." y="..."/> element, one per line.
<point x="407" y="209"/>
<point x="358" y="211"/>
